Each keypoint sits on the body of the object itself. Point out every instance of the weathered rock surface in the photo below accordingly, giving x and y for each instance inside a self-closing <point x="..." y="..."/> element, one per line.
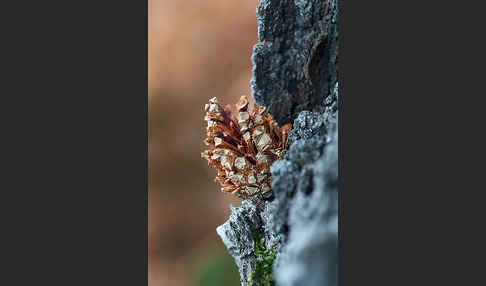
<point x="295" y="76"/>
<point x="295" y="61"/>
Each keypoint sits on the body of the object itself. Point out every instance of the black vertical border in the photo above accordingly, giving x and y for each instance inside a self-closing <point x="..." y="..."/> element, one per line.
<point x="75" y="180"/>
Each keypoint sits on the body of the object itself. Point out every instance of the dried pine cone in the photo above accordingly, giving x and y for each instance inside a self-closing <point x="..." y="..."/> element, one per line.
<point x="242" y="147"/>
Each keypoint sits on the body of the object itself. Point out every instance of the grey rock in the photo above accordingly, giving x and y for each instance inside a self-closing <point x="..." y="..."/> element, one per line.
<point x="295" y="62"/>
<point x="310" y="255"/>
<point x="237" y="235"/>
<point x="295" y="76"/>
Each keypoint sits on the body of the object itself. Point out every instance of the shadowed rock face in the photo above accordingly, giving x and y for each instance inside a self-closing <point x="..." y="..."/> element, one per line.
<point x="295" y="61"/>
<point x="295" y="76"/>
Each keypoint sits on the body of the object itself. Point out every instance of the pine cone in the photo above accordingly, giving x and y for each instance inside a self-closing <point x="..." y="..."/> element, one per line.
<point x="243" y="147"/>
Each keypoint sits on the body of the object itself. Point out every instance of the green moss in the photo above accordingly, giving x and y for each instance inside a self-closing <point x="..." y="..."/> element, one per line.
<point x="263" y="274"/>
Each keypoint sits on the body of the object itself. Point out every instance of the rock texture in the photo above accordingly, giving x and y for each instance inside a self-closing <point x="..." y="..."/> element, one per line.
<point x="295" y="60"/>
<point x="295" y="76"/>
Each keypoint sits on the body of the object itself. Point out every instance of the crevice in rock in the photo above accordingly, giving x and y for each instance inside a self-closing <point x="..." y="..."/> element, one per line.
<point x="319" y="73"/>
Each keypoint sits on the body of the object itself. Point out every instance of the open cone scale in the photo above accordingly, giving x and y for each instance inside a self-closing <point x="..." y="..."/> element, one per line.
<point x="243" y="146"/>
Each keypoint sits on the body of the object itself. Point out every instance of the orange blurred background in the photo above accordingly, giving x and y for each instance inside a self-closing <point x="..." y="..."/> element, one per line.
<point x="196" y="50"/>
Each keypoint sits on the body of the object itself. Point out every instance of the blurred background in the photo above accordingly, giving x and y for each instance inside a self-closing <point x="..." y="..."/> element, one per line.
<point x="196" y="50"/>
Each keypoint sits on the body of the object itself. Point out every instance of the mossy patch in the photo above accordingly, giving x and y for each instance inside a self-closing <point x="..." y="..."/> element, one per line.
<point x="263" y="274"/>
